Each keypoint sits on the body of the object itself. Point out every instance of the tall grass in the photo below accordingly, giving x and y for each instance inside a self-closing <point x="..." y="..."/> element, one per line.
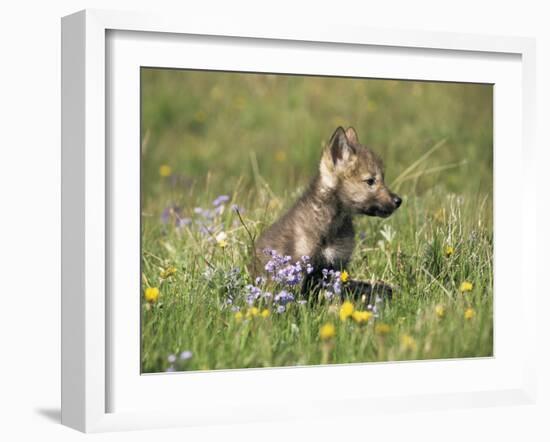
<point x="258" y="138"/>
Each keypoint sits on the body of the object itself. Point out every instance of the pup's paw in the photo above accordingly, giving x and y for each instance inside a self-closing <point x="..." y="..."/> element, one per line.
<point x="383" y="290"/>
<point x="369" y="291"/>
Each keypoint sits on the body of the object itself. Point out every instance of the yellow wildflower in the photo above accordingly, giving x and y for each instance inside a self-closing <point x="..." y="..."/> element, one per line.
<point x="167" y="272"/>
<point x="360" y="316"/>
<point x="449" y="250"/>
<point x="252" y="312"/>
<point x="408" y="342"/>
<point x="382" y="329"/>
<point x="346" y="310"/>
<point x="466" y="286"/>
<point x="440" y="311"/>
<point x="152" y="294"/>
<point x="469" y="313"/>
<point x="327" y="332"/>
<point x="222" y="243"/>
<point x="280" y="156"/>
<point x="344" y="276"/>
<point x="200" y="116"/>
<point x="264" y="313"/>
<point x="165" y="170"/>
<point x="238" y="316"/>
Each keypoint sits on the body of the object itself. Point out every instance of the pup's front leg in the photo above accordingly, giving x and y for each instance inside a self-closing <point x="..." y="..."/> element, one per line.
<point x="369" y="290"/>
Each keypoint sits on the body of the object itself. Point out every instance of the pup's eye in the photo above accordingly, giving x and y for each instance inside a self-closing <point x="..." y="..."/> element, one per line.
<point x="370" y="181"/>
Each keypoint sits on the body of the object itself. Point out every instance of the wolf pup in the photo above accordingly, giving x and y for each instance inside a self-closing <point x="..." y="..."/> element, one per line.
<point x="350" y="182"/>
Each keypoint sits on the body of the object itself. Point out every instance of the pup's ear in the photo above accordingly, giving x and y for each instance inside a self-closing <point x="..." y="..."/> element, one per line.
<point x="339" y="146"/>
<point x="351" y="135"/>
<point x="338" y="156"/>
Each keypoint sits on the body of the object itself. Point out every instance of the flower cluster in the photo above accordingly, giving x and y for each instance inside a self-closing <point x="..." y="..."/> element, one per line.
<point x="168" y="272"/>
<point x="347" y="311"/>
<point x="331" y="283"/>
<point x="287" y="275"/>
<point x="253" y="293"/>
<point x="283" y="275"/>
<point x="252" y="312"/>
<point x="205" y="219"/>
<point x="179" y="363"/>
<point x="282" y="299"/>
<point x="229" y="283"/>
<point x="281" y="269"/>
<point x="173" y="215"/>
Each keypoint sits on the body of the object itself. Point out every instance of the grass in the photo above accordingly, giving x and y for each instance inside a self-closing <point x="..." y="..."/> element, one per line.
<point x="258" y="138"/>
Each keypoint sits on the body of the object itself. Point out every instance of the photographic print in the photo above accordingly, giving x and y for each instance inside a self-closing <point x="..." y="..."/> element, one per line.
<point x="294" y="220"/>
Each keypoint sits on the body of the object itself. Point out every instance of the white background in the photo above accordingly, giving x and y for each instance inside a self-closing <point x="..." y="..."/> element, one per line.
<point x="300" y="389"/>
<point x="30" y="201"/>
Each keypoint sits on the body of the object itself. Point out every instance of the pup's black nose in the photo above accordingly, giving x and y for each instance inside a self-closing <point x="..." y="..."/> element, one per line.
<point x="397" y="201"/>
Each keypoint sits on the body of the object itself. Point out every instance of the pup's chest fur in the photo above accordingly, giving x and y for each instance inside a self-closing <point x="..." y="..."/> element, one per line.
<point x="336" y="251"/>
<point x="330" y="245"/>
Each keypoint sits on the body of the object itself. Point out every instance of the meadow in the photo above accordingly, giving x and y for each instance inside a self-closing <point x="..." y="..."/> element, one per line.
<point x="225" y="154"/>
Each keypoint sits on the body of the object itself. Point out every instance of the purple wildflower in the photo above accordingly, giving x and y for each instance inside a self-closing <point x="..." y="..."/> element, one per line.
<point x="171" y="358"/>
<point x="252" y="293"/>
<point x="283" y="297"/>
<point x="181" y="222"/>
<point x="205" y="213"/>
<point x="168" y="213"/>
<point x="276" y="262"/>
<point x="220" y="200"/>
<point x="331" y="282"/>
<point x="281" y="309"/>
<point x="165" y="216"/>
<point x="306" y="261"/>
<point x="283" y="271"/>
<point x="206" y="230"/>
<point x="186" y="355"/>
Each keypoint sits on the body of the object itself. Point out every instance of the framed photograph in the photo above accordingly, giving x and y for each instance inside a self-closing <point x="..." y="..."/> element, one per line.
<point x="277" y="222"/>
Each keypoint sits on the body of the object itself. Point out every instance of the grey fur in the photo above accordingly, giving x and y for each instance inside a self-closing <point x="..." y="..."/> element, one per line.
<point x="320" y="224"/>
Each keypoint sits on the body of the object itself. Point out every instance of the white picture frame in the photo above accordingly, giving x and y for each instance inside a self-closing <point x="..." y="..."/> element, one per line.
<point x="88" y="232"/>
